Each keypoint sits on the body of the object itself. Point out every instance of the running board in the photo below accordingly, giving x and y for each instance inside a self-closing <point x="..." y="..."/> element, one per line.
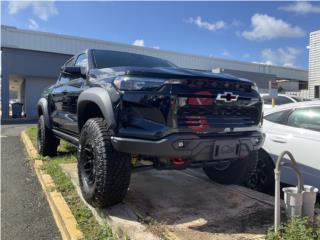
<point x="64" y="136"/>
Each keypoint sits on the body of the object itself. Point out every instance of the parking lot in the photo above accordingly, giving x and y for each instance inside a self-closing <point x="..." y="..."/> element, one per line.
<point x="25" y="212"/>
<point x="160" y="120"/>
<point x="188" y="205"/>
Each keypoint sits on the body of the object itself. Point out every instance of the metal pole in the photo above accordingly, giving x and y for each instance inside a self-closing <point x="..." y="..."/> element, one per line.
<point x="277" y="199"/>
<point x="277" y="208"/>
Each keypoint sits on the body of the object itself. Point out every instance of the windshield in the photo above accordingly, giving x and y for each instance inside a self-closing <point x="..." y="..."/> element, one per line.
<point x="107" y="59"/>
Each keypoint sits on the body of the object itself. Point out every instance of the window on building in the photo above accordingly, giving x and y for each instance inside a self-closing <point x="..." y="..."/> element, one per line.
<point x="303" y="85"/>
<point x="316" y="91"/>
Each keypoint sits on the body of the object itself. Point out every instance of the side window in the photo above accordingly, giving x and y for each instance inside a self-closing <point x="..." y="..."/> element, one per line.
<point x="308" y="118"/>
<point x="278" y="117"/>
<point x="69" y="63"/>
<point x="267" y="99"/>
<point x="82" y="61"/>
<point x="63" y="79"/>
<point x="282" y="100"/>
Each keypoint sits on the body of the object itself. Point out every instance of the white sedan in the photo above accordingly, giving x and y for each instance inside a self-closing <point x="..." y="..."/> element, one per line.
<point x="280" y="99"/>
<point x="294" y="127"/>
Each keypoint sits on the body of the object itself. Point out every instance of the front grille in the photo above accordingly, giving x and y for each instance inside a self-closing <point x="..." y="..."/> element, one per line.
<point x="218" y="85"/>
<point x="214" y="116"/>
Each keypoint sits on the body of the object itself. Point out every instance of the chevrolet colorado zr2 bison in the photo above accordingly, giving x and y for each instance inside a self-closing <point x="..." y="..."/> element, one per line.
<point x="127" y="111"/>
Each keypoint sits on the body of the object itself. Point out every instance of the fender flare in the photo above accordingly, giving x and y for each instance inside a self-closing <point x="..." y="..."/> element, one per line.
<point x="101" y="98"/>
<point x="42" y="106"/>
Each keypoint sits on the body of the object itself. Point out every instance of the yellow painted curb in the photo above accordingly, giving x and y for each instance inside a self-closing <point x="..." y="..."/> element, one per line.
<point x="62" y="214"/>
<point x="171" y="236"/>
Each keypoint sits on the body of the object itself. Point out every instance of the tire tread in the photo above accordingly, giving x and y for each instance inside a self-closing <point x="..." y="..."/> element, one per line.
<point x="48" y="144"/>
<point x="113" y="168"/>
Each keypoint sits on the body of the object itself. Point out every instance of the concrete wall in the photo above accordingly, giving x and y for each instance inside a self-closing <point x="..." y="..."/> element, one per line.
<point x="314" y="62"/>
<point x="26" y="63"/>
<point x="33" y="89"/>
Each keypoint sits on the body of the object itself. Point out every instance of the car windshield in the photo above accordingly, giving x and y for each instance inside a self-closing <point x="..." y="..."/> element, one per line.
<point x="107" y="59"/>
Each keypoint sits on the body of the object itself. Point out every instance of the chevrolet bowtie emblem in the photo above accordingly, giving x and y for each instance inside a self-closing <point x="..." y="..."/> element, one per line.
<point x="227" y="97"/>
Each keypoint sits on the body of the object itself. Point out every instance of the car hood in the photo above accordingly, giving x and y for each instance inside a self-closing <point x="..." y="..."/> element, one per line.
<point x="165" y="72"/>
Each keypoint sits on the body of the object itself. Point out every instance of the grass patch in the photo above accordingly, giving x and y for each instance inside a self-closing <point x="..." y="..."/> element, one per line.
<point x="32" y="134"/>
<point x="297" y="229"/>
<point x="91" y="229"/>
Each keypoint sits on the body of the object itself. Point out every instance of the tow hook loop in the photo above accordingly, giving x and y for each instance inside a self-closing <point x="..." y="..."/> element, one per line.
<point x="177" y="161"/>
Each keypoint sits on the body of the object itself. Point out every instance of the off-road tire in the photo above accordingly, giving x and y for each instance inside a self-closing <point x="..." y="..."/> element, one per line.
<point x="47" y="143"/>
<point x="262" y="177"/>
<point x="108" y="179"/>
<point x="236" y="173"/>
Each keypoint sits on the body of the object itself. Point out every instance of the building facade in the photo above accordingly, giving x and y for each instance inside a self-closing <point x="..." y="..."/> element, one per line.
<point x="31" y="61"/>
<point x="314" y="65"/>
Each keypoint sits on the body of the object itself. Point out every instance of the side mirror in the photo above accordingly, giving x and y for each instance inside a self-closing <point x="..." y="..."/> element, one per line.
<point x="73" y="71"/>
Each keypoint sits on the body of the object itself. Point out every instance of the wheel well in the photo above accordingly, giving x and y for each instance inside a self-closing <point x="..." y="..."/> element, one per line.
<point x="88" y="110"/>
<point x="40" y="112"/>
<point x="266" y="156"/>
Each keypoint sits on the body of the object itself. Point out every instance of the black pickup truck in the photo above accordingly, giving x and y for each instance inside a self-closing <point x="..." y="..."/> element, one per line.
<point x="128" y="111"/>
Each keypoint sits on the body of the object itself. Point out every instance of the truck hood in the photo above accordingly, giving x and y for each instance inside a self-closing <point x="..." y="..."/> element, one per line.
<point x="162" y="72"/>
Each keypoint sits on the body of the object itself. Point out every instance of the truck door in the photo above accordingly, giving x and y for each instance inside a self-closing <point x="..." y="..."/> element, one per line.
<point x="72" y="90"/>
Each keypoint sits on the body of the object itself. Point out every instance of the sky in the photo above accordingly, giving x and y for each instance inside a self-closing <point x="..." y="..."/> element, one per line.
<point x="274" y="33"/>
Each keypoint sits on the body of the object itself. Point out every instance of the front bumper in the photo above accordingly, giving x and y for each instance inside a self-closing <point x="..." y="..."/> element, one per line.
<point x="187" y="146"/>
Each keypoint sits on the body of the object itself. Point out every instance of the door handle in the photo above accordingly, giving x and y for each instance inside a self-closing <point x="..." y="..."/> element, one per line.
<point x="279" y="140"/>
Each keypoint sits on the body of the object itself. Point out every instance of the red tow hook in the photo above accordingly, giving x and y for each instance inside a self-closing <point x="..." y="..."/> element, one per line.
<point x="177" y="161"/>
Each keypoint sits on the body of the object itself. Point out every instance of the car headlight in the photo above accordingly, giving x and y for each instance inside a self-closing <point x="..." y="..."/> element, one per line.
<point x="255" y="87"/>
<point x="138" y="83"/>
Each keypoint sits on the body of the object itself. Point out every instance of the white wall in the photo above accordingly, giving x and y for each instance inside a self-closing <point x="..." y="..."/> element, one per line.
<point x="314" y="62"/>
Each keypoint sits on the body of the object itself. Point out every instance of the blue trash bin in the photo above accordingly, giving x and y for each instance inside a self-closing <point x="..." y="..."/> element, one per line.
<point x="16" y="110"/>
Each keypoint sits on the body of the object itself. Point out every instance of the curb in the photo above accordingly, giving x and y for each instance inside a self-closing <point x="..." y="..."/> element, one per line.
<point x="62" y="214"/>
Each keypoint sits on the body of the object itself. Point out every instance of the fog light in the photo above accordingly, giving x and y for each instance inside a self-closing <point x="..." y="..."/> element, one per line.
<point x="180" y="144"/>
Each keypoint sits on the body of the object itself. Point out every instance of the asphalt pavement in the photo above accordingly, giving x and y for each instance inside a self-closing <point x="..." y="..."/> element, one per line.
<point x="25" y="213"/>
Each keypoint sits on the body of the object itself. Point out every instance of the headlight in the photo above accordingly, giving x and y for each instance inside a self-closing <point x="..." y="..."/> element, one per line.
<point x="138" y="83"/>
<point x="255" y="87"/>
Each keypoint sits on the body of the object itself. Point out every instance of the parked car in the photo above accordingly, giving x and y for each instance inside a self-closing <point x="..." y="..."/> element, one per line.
<point x="128" y="111"/>
<point x="294" y="127"/>
<point x="280" y="99"/>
